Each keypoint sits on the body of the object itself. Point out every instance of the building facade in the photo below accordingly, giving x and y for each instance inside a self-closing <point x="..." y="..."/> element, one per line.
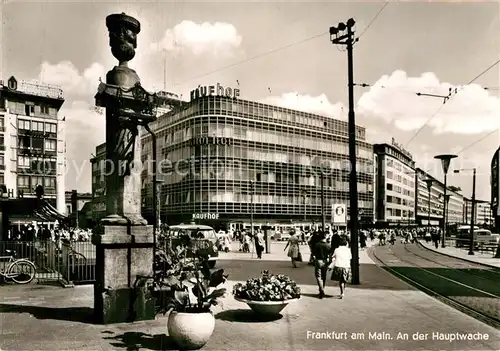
<point x="78" y="209"/>
<point x="394" y="185"/>
<point x="32" y="142"/>
<point x="495" y="188"/>
<point x="455" y="202"/>
<point x="483" y="214"/>
<point x="222" y="158"/>
<point x="98" y="183"/>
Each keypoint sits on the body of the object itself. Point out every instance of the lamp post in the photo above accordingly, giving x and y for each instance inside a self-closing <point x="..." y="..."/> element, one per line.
<point x="473" y="209"/>
<point x="251" y="206"/>
<point x="323" y="220"/>
<point x="429" y="182"/>
<point x="348" y="39"/>
<point x="445" y="162"/>
<point x="304" y="194"/>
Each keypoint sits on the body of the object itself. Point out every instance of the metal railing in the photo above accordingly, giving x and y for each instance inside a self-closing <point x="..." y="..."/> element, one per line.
<point x="70" y="262"/>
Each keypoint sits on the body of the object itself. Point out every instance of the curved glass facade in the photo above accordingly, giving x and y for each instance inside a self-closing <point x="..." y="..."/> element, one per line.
<point x="211" y="152"/>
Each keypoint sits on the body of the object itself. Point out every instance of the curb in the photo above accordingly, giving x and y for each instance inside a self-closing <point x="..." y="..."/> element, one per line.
<point x="459" y="258"/>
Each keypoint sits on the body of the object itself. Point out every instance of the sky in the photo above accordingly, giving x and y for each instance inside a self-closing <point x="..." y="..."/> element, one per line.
<point x="280" y="53"/>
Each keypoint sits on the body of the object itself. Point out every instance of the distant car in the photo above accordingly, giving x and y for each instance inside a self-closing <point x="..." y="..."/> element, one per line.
<point x="281" y="236"/>
<point x="205" y="234"/>
<point x="482" y="237"/>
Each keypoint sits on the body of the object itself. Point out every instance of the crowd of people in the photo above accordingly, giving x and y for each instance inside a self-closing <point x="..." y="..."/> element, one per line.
<point x="31" y="232"/>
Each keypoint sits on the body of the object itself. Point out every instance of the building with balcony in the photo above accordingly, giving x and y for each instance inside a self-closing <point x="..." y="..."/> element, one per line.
<point x="32" y="142"/>
<point x="222" y="158"/>
<point x="455" y="202"/>
<point x="394" y="185"/>
<point x="483" y="214"/>
<point x="98" y="183"/>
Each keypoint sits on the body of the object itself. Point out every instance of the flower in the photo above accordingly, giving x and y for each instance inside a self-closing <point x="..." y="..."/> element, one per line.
<point x="267" y="287"/>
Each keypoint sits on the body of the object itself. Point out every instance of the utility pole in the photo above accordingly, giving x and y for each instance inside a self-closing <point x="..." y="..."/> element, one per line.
<point x="349" y="40"/>
<point x="323" y="220"/>
<point x="473" y="209"/>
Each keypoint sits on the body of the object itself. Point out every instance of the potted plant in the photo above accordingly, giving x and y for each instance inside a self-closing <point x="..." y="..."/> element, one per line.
<point x="185" y="288"/>
<point x="268" y="294"/>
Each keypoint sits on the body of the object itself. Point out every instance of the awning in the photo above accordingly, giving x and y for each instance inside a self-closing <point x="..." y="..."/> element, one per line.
<point x="33" y="209"/>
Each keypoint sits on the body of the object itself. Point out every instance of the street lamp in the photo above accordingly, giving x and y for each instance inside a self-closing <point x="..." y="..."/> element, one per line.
<point x="429" y="182"/>
<point x="473" y="210"/>
<point x="304" y="194"/>
<point x="323" y="201"/>
<point x="445" y="162"/>
<point x="252" y="184"/>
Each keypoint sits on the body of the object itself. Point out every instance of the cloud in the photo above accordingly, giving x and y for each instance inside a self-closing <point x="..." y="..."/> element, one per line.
<point x="307" y="103"/>
<point x="84" y="129"/>
<point x="205" y="38"/>
<point x="393" y="98"/>
<point x="73" y="82"/>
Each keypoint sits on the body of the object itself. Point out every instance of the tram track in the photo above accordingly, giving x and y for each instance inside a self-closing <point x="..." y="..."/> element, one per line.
<point x="478" y="303"/>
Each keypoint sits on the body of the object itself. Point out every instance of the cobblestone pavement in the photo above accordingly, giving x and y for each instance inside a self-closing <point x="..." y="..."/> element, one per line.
<point x="37" y="317"/>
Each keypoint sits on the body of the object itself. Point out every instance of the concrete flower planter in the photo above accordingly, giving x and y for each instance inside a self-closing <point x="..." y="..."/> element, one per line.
<point x="190" y="331"/>
<point x="267" y="308"/>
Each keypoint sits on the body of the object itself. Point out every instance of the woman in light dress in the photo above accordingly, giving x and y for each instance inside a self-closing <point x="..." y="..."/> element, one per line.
<point x="293" y="248"/>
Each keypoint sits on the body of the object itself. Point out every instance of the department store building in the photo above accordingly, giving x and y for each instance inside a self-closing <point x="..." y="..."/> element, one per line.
<point x="222" y="158"/>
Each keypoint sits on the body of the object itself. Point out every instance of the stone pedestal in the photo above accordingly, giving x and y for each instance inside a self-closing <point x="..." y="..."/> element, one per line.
<point x="122" y="254"/>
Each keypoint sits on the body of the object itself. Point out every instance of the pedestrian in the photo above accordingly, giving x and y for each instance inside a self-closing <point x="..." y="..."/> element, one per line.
<point x="321" y="255"/>
<point x="335" y="241"/>
<point x="259" y="243"/>
<point x="293" y="249"/>
<point x="341" y="265"/>
<point x="435" y="239"/>
<point x="362" y="239"/>
<point x="312" y="243"/>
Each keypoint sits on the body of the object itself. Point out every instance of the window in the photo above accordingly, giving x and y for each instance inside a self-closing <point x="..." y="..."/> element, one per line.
<point x="37" y="143"/>
<point x="50" y="145"/>
<point x="2" y="160"/>
<point x="36" y="181"/>
<point x="389" y="186"/>
<point x="37" y="126"/>
<point x="23" y="181"/>
<point x="2" y="179"/>
<point x="51" y="128"/>
<point x="24" y="124"/>
<point x="23" y="161"/>
<point x="29" y="110"/>
<point x="44" y="109"/>
<point x="50" y="182"/>
<point x="2" y="141"/>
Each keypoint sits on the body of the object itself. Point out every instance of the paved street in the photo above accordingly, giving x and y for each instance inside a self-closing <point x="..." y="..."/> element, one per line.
<point x="37" y="317"/>
<point x="471" y="285"/>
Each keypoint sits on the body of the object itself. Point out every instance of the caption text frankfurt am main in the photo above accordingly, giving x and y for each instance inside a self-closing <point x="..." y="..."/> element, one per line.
<point x="435" y="336"/>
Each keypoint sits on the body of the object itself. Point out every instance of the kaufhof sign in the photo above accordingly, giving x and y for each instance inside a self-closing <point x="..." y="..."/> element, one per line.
<point x="205" y="216"/>
<point x="211" y="140"/>
<point x="339" y="214"/>
<point x="215" y="90"/>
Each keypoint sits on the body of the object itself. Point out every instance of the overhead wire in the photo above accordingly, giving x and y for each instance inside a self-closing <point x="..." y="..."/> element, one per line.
<point x="477" y="141"/>
<point x="278" y="49"/>
<point x="450" y="96"/>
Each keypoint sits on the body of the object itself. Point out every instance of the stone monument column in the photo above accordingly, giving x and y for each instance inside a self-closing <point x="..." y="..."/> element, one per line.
<point x="124" y="241"/>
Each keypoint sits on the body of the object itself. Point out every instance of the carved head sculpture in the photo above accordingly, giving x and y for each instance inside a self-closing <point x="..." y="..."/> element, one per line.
<point x="123" y="30"/>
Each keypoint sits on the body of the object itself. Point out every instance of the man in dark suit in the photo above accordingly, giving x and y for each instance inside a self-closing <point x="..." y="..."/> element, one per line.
<point x="321" y="255"/>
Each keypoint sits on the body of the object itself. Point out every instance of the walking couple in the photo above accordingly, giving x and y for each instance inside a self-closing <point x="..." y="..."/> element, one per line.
<point x="334" y="258"/>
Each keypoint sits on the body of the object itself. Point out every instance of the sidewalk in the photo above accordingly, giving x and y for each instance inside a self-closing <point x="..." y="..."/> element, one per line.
<point x="478" y="257"/>
<point x="37" y="317"/>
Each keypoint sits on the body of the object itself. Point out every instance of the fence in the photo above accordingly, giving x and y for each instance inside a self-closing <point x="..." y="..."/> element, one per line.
<point x="66" y="263"/>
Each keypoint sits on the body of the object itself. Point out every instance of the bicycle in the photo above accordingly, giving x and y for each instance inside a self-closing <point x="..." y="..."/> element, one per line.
<point x="21" y="271"/>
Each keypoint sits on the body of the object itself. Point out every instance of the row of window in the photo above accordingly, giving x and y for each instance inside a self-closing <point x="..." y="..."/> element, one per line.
<point x="273" y="137"/>
<point x="400" y="190"/>
<point x="37" y="126"/>
<point x="37" y="143"/>
<point x="31" y="182"/>
<point x="399" y="201"/>
<point x="41" y="165"/>
<point x="400" y="179"/>
<point x="396" y="212"/>
<point x="213" y="196"/>
<point x="254" y="110"/>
